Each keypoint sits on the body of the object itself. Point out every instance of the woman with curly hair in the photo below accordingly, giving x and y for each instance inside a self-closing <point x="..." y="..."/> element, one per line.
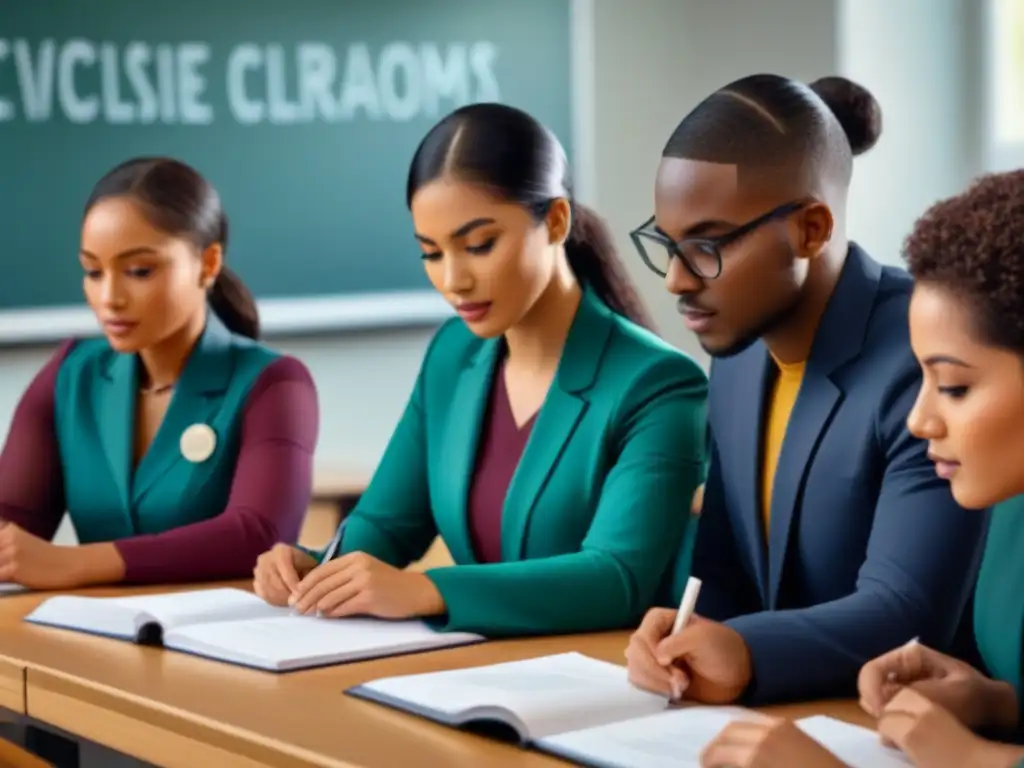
<point x="967" y="332"/>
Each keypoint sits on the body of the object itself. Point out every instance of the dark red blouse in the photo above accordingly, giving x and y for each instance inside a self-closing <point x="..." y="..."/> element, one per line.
<point x="269" y="496"/>
<point x="501" y="446"/>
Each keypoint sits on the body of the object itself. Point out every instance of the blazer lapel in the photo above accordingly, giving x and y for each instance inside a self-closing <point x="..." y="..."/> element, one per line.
<point x="459" y="446"/>
<point x="206" y="375"/>
<point x="556" y="421"/>
<point x="115" y="421"/>
<point x="744" y="453"/>
<point x="811" y="414"/>
<point x="839" y="338"/>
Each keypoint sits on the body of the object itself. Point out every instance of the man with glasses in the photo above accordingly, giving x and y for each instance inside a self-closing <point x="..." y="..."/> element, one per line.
<point x="826" y="538"/>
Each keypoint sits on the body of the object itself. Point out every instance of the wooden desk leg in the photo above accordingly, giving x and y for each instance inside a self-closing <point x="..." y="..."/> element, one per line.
<point x="58" y="750"/>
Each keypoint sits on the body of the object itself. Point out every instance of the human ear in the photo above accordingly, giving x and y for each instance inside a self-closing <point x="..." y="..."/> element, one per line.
<point x="212" y="260"/>
<point x="559" y="220"/>
<point x="812" y="230"/>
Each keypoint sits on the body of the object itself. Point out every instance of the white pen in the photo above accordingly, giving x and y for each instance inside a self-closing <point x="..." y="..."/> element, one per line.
<point x="335" y="542"/>
<point x="332" y="547"/>
<point x="687" y="604"/>
<point x="891" y="677"/>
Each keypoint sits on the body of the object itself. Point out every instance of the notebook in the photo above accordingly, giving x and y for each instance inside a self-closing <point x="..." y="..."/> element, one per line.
<point x="585" y="710"/>
<point x="237" y="627"/>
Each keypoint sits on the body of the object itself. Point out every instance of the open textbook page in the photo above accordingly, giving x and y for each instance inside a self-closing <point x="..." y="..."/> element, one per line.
<point x="857" y="747"/>
<point x="669" y="739"/>
<point x="536" y="697"/>
<point x="286" y="641"/>
<point x="676" y="738"/>
<point x="238" y="627"/>
<point x="126" y="617"/>
<point x="585" y="710"/>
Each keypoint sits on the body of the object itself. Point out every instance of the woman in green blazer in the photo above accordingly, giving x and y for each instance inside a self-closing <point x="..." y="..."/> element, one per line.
<point x="180" y="447"/>
<point x="967" y="330"/>
<point x="551" y="440"/>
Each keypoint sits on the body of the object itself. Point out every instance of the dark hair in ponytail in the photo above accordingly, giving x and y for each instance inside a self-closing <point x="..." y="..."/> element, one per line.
<point x="592" y="255"/>
<point x="510" y="153"/>
<point x="176" y="199"/>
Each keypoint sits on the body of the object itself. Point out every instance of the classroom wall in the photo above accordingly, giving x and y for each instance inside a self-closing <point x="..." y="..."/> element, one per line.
<point x="922" y="59"/>
<point x="641" y="67"/>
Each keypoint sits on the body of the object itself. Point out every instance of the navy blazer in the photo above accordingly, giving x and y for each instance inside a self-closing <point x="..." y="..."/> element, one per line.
<point x="866" y="548"/>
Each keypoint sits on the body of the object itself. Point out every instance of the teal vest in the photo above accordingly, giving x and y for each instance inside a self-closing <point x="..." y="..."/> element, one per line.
<point x="94" y="409"/>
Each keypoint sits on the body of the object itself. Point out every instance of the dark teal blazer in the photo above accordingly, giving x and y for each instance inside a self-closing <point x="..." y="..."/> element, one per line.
<point x="999" y="595"/>
<point x="598" y="505"/>
<point x="227" y="475"/>
<point x="94" y="416"/>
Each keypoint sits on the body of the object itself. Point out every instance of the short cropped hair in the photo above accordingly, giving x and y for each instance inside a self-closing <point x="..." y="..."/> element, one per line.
<point x="768" y="121"/>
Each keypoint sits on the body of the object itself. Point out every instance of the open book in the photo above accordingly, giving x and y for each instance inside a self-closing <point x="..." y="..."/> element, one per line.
<point x="586" y="711"/>
<point x="236" y="626"/>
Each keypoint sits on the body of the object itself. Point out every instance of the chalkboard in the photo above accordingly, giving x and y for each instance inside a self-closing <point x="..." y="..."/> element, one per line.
<point x="303" y="113"/>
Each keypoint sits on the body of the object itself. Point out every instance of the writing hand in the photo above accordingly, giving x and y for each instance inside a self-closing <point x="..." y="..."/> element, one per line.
<point x="974" y="699"/>
<point x="932" y="737"/>
<point x="706" y="661"/>
<point x="278" y="571"/>
<point x="358" y="584"/>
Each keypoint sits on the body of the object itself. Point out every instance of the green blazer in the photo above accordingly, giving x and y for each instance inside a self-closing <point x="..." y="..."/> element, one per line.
<point x="94" y="411"/>
<point x="999" y="595"/>
<point x="599" y="502"/>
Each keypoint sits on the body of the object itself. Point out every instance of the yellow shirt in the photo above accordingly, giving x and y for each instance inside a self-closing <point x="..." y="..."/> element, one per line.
<point x="780" y="406"/>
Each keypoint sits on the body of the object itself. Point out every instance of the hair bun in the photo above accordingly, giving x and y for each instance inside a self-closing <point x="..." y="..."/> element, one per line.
<point x="857" y="111"/>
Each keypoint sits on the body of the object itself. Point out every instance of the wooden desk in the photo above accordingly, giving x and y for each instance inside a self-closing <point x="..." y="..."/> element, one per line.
<point x="13" y="756"/>
<point x="12" y="686"/>
<point x="175" y="710"/>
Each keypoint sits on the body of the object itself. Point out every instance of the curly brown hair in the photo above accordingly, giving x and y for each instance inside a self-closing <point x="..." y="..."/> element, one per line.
<point x="973" y="246"/>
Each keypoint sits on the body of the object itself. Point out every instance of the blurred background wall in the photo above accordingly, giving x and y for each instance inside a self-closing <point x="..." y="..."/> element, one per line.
<point x="636" y="69"/>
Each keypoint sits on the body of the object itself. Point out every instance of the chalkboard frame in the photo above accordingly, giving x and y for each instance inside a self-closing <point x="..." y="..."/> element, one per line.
<point x="306" y="316"/>
<point x="348" y="313"/>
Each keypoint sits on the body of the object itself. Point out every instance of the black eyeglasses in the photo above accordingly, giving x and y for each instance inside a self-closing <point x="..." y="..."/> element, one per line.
<point x="701" y="255"/>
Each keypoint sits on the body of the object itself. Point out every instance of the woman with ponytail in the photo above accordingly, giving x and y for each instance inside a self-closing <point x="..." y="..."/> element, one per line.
<point x="551" y="440"/>
<point x="179" y="445"/>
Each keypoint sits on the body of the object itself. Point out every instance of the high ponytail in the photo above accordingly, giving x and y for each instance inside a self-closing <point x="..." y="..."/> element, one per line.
<point x="858" y="112"/>
<point x="594" y="260"/>
<point x="176" y="199"/>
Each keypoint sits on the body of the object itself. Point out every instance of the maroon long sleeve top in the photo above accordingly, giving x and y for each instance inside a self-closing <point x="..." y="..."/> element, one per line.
<point x="502" y="443"/>
<point x="270" y="490"/>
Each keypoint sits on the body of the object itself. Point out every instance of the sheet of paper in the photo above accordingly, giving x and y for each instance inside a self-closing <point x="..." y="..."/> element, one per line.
<point x="857" y="747"/>
<point x="550" y="694"/>
<point x="288" y="637"/>
<point x="670" y="739"/>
